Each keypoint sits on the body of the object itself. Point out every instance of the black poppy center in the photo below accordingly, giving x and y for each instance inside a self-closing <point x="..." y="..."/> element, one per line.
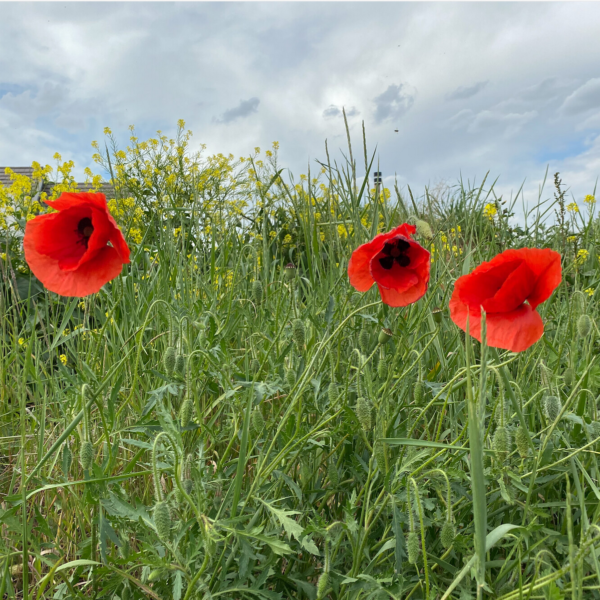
<point x="395" y="251"/>
<point x="85" y="229"/>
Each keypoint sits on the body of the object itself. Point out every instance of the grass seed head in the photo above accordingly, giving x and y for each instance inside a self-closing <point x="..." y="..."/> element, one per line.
<point x="185" y="412"/>
<point x="569" y="376"/>
<point x="501" y="443"/>
<point x="418" y="392"/>
<point x="258" y="421"/>
<point x="333" y="393"/>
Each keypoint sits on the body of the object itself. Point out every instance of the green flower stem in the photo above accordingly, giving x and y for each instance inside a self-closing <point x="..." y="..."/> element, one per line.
<point x="476" y="446"/>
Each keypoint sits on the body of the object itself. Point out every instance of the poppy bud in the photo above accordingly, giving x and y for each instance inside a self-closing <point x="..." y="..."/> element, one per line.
<point x="332" y="473"/>
<point x="180" y="363"/>
<point x="332" y="393"/>
<point x="155" y="575"/>
<point x="67" y="459"/>
<point x="522" y="442"/>
<point x="382" y="367"/>
<point x="255" y="365"/>
<point x="501" y="443"/>
<point x="86" y="392"/>
<point x="584" y="326"/>
<point x="322" y="585"/>
<point x="185" y="412"/>
<point x="188" y="486"/>
<point x="379" y="452"/>
<point x="363" y="340"/>
<point x="298" y="333"/>
<point x="86" y="455"/>
<point x="169" y="358"/>
<point x="162" y="520"/>
<point x="423" y="229"/>
<point x="363" y="413"/>
<point x="568" y="376"/>
<point x="290" y="377"/>
<point x="552" y="407"/>
<point x="437" y="315"/>
<point x="385" y="335"/>
<point x="418" y="392"/>
<point x="412" y="547"/>
<point x="290" y="271"/>
<point x="258" y="422"/>
<point x="447" y="534"/>
<point x="257" y="290"/>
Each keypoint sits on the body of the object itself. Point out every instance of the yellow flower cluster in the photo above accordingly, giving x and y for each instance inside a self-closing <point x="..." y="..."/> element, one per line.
<point x="573" y="207"/>
<point x="582" y="256"/>
<point x="490" y="211"/>
<point x="589" y="199"/>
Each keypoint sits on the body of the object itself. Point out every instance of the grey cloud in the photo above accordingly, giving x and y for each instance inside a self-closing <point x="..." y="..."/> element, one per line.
<point x="335" y="111"/>
<point x="243" y="109"/>
<point x="463" y="92"/>
<point x="394" y="102"/>
<point x="509" y="123"/>
<point x="583" y="99"/>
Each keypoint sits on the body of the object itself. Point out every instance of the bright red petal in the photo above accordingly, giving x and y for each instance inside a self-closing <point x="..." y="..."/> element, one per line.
<point x="394" y="298"/>
<point x="545" y="264"/>
<point x="515" y="331"/>
<point x="397" y="278"/>
<point x="514" y="291"/>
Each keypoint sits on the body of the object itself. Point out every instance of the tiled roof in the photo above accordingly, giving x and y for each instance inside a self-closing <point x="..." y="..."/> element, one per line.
<point x="106" y="188"/>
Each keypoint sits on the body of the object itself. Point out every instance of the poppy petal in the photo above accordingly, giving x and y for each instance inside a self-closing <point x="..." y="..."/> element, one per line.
<point x="545" y="264"/>
<point x="514" y="291"/>
<point x="397" y="278"/>
<point x="358" y="266"/>
<point x="394" y="298"/>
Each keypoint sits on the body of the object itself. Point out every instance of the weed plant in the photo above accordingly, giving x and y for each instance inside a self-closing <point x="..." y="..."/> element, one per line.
<point x="230" y="419"/>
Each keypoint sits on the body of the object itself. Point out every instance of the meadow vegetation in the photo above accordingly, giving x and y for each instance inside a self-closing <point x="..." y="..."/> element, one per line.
<point x="230" y="419"/>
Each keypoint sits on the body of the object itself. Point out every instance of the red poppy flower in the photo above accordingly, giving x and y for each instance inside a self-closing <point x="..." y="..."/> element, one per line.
<point x="395" y="262"/>
<point x="69" y="251"/>
<point x="508" y="288"/>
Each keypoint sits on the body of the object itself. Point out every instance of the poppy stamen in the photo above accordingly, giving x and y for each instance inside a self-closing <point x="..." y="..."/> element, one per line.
<point x="395" y="251"/>
<point x="85" y="229"/>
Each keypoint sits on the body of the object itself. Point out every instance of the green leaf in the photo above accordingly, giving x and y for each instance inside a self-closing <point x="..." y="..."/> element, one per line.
<point x="291" y="526"/>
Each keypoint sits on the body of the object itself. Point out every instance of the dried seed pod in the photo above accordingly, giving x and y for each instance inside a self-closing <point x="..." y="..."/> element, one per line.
<point x="333" y="393"/>
<point x="258" y="422"/>
<point x="169" y="359"/>
<point x="552" y="407"/>
<point x="522" y="442"/>
<point x="185" y="412"/>
<point x="86" y="455"/>
<point x="257" y="291"/>
<point x="501" y="443"/>
<point x="162" y="520"/>
<point x="322" y="585"/>
<point x="423" y="229"/>
<point x="584" y="326"/>
<point x="290" y="271"/>
<point x="298" y="333"/>
<point x="447" y="534"/>
<point x="412" y="547"/>
<point x="418" y="392"/>
<point x="385" y="335"/>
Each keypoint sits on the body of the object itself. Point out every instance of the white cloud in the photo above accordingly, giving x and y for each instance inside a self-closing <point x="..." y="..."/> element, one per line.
<point x="583" y="99"/>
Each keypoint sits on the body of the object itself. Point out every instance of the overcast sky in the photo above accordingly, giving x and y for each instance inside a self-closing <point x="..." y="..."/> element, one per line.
<point x="509" y="88"/>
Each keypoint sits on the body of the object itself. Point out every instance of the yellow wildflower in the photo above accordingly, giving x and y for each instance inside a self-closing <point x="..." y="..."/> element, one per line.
<point x="589" y="199"/>
<point x="589" y="291"/>
<point x="63" y="359"/>
<point x="490" y="211"/>
<point x="573" y="207"/>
